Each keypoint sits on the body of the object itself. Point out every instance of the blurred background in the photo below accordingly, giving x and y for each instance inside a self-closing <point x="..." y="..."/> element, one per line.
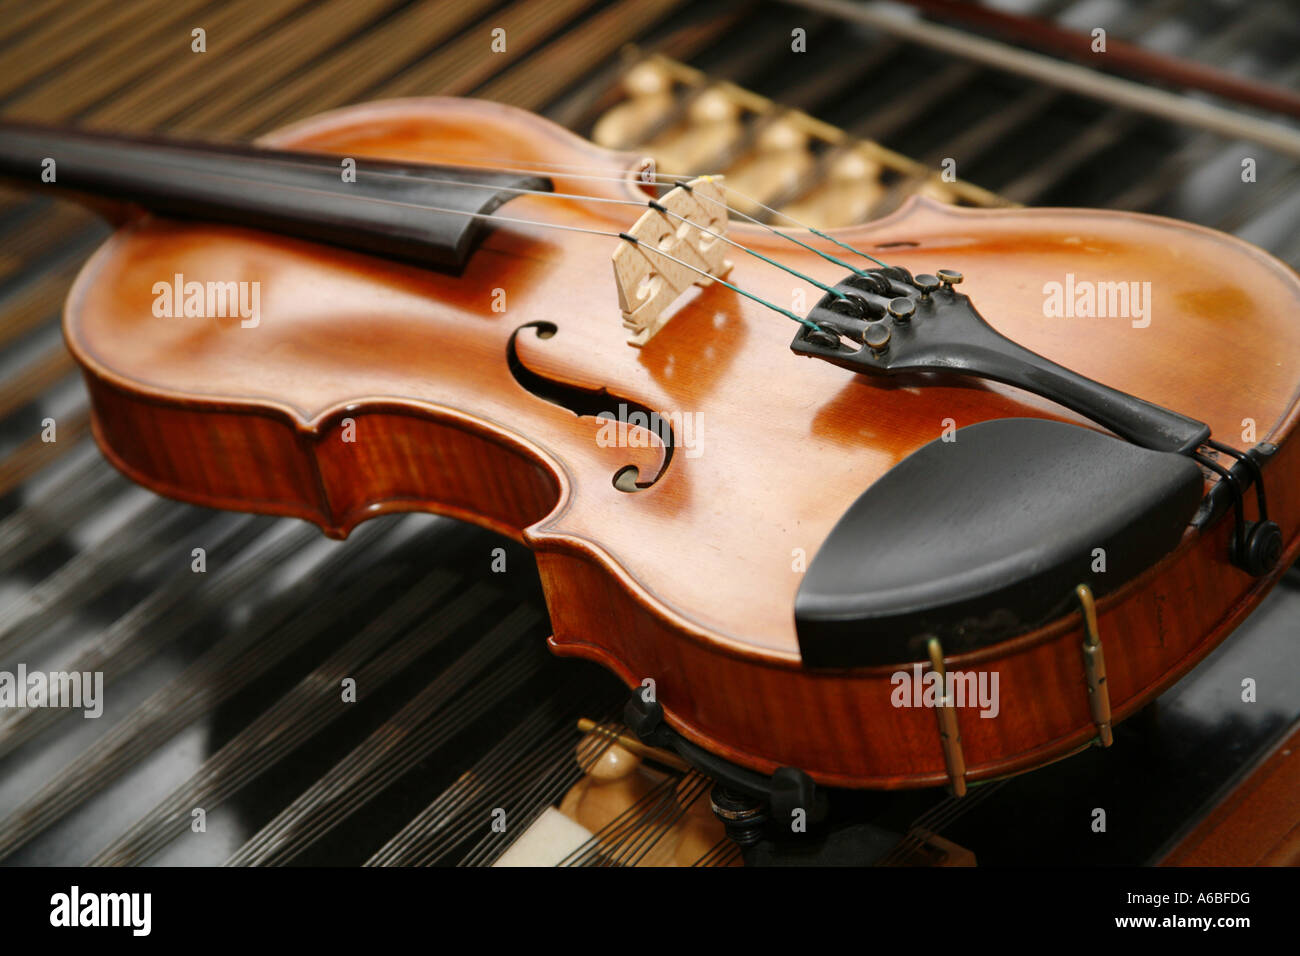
<point x="833" y="112"/>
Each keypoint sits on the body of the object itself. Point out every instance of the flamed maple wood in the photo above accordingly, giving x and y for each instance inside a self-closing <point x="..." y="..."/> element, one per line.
<point x="690" y="582"/>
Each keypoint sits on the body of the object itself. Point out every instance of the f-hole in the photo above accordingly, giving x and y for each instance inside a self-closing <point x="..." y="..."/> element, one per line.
<point x="589" y="403"/>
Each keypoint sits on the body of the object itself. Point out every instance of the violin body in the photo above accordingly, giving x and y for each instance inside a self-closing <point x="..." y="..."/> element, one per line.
<point x="367" y="387"/>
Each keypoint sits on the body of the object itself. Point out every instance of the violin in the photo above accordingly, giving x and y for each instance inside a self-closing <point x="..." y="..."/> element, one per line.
<point x="924" y="502"/>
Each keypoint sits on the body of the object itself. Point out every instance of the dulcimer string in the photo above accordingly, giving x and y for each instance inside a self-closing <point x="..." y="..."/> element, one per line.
<point x="936" y="819"/>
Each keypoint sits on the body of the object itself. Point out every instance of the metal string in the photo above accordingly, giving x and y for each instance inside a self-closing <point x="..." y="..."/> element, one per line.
<point x="494" y="217"/>
<point x="648" y="178"/>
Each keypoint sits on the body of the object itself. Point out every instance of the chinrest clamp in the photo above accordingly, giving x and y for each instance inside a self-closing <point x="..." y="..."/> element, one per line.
<point x="1256" y="546"/>
<point x="1094" y="666"/>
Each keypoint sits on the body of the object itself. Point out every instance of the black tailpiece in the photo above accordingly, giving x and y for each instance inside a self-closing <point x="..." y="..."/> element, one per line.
<point x="887" y="323"/>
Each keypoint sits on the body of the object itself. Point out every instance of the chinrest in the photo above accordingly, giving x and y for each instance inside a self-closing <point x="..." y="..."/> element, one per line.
<point x="984" y="536"/>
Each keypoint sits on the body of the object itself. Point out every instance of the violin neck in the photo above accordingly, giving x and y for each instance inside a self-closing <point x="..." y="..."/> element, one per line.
<point x="373" y="206"/>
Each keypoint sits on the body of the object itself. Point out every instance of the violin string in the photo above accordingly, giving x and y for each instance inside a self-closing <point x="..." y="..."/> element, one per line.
<point x="546" y="193"/>
<point x="777" y="232"/>
<point x="662" y="210"/>
<point x="497" y="218"/>
<point x="807" y="323"/>
<point x="647" y="177"/>
<point x="658" y="179"/>
<point x="661" y="179"/>
<point x="651" y="203"/>
<point x="804" y="225"/>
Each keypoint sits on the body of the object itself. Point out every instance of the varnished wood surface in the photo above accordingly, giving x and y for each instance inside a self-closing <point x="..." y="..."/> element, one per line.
<point x="689" y="582"/>
<point x="1257" y="823"/>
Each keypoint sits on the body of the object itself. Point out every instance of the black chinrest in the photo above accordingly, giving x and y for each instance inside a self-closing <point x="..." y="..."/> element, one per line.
<point x="985" y="537"/>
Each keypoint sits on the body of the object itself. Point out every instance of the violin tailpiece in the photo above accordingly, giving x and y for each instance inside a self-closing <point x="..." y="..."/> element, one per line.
<point x="904" y="324"/>
<point x="649" y="283"/>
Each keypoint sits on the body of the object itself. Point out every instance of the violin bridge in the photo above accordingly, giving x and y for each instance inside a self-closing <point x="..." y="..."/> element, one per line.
<point x="649" y="283"/>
